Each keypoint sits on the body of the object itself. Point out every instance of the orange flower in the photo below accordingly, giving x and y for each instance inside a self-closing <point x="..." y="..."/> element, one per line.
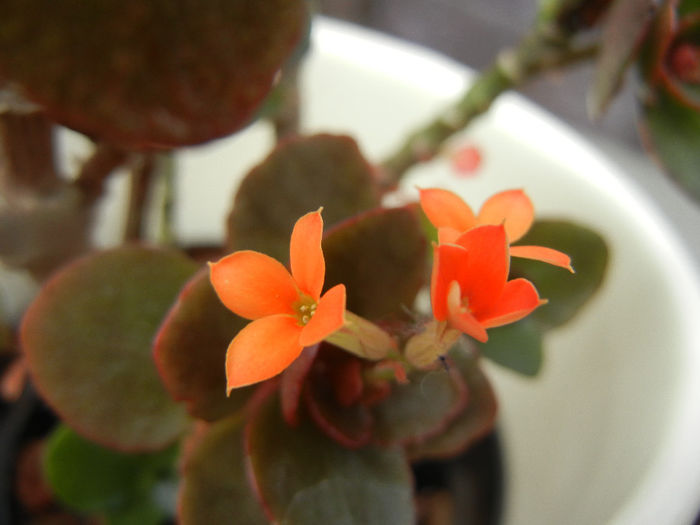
<point x="513" y="209"/>
<point x="287" y="310"/>
<point x="469" y="287"/>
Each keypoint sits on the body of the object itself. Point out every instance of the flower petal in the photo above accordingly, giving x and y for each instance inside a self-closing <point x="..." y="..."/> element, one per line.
<point x="541" y="253"/>
<point x="447" y="235"/>
<point x="446" y="209"/>
<point x="253" y="285"/>
<point x="486" y="270"/>
<point x="461" y="318"/>
<point x="263" y="349"/>
<point x="306" y="256"/>
<point x="511" y="208"/>
<point x="329" y="317"/>
<point x="449" y="261"/>
<point x="519" y="299"/>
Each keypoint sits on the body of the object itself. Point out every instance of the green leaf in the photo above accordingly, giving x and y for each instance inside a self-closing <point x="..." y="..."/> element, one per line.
<point x="300" y="176"/>
<point x="672" y="130"/>
<point x="190" y="351"/>
<point x="93" y="479"/>
<point x="517" y="346"/>
<point x="380" y="257"/>
<point x="88" y="337"/>
<point x="625" y="24"/>
<point x="152" y="73"/>
<point x="421" y="408"/>
<point x="567" y="293"/>
<point x="474" y="422"/>
<point x="304" y="477"/>
<point x="215" y="487"/>
<point x="688" y="7"/>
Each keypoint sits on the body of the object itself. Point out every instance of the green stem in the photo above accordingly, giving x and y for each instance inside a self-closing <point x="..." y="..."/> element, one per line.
<point x="141" y="183"/>
<point x="545" y="48"/>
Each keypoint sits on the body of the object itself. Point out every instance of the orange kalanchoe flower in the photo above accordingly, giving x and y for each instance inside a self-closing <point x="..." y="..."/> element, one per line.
<point x="469" y="287"/>
<point x="287" y="310"/>
<point x="512" y="208"/>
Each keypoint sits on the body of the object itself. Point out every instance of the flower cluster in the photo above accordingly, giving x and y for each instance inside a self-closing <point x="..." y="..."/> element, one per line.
<point x="470" y="290"/>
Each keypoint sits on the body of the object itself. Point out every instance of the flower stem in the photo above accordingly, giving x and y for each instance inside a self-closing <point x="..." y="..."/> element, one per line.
<point x="548" y="46"/>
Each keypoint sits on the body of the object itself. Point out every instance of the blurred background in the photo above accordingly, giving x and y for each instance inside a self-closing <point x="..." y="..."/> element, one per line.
<point x="473" y="31"/>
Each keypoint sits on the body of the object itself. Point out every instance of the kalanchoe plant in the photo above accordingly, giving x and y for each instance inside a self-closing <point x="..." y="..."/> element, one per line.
<point x="295" y="373"/>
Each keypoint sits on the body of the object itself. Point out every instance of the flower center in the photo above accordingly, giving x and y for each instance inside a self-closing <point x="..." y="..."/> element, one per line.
<point x="305" y="309"/>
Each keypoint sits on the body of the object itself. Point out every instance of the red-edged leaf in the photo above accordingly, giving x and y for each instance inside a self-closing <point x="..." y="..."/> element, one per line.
<point x="421" y="408"/>
<point x="474" y="422"/>
<point x="152" y="73"/>
<point x="87" y="337"/>
<point x="301" y="175"/>
<point x="380" y="257"/>
<point x="215" y="486"/>
<point x="305" y="477"/>
<point x="190" y="351"/>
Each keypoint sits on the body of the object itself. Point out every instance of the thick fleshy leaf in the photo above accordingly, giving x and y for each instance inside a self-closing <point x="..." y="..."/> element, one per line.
<point x="565" y="292"/>
<point x="88" y="336"/>
<point x="517" y="346"/>
<point x="301" y="175"/>
<point x="190" y="351"/>
<point x="421" y="408"/>
<point x="215" y="486"/>
<point x="96" y="480"/>
<point x="254" y="285"/>
<point x="511" y="208"/>
<point x="625" y="25"/>
<point x="292" y="383"/>
<point x="474" y="422"/>
<point x="306" y="256"/>
<point x="149" y="74"/>
<point x="446" y="209"/>
<point x="329" y="317"/>
<point x="332" y="398"/>
<point x="671" y="130"/>
<point x="305" y="477"/>
<point x="380" y="257"/>
<point x="263" y="349"/>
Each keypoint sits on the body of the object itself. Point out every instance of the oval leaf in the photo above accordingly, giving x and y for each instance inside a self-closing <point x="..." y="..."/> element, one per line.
<point x="190" y="351"/>
<point x="152" y="73"/>
<point x="517" y="346"/>
<point x="93" y="479"/>
<point x="566" y="293"/>
<point x="380" y="256"/>
<point x="304" y="477"/>
<point x="300" y="176"/>
<point x="215" y="486"/>
<point x="87" y="337"/>
<point x="471" y="424"/>
<point x="421" y="408"/>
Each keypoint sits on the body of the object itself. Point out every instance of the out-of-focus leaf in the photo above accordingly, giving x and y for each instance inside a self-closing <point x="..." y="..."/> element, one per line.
<point x="88" y="335"/>
<point x="421" y="408"/>
<point x="215" y="487"/>
<point x="688" y="7"/>
<point x="474" y="422"/>
<point x="96" y="480"/>
<point x="190" y="351"/>
<point x="672" y="130"/>
<point x="517" y="346"/>
<point x="626" y="23"/>
<point x="152" y="73"/>
<point x="380" y="257"/>
<point x="300" y="176"/>
<point x="305" y="477"/>
<point x="566" y="293"/>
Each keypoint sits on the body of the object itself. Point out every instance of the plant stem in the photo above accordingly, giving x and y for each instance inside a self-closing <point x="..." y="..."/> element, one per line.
<point x="95" y="170"/>
<point x="545" y="48"/>
<point x="141" y="182"/>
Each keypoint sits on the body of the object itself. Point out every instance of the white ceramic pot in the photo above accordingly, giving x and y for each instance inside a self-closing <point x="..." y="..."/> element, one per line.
<point x="610" y="431"/>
